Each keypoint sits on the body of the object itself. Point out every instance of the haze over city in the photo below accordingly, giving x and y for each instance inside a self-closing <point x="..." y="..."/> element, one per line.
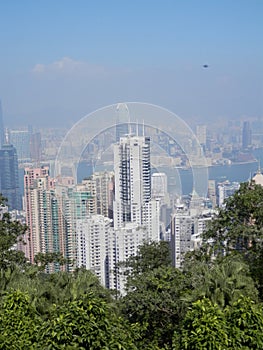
<point x="62" y="59"/>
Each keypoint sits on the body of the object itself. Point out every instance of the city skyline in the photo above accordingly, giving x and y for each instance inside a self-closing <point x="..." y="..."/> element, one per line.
<point x="95" y="54"/>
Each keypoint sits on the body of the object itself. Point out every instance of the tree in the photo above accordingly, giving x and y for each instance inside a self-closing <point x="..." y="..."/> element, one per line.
<point x="154" y="303"/>
<point x="86" y="323"/>
<point x="207" y="326"/>
<point x="11" y="231"/>
<point x="153" y="295"/>
<point x="11" y="260"/>
<point x="45" y="259"/>
<point x="239" y="227"/>
<point x="245" y="319"/>
<point x="45" y="290"/>
<point x="18" y="322"/>
<point x="223" y="280"/>
<point x="204" y="328"/>
<point x="150" y="255"/>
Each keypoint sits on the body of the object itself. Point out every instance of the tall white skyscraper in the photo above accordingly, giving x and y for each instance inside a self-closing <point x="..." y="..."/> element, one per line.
<point x="135" y="213"/>
<point x="132" y="169"/>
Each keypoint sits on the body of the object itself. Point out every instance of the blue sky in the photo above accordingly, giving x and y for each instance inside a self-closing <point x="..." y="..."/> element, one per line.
<point x="61" y="59"/>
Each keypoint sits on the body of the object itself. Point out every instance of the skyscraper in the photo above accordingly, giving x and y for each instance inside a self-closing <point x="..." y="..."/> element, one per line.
<point x="201" y="134"/>
<point x="20" y="139"/>
<point x="9" y="183"/>
<point x="2" y="130"/>
<point x="132" y="169"/>
<point x="100" y="186"/>
<point x="246" y="135"/>
<point x="135" y="213"/>
<point x="35" y="147"/>
<point x="44" y="216"/>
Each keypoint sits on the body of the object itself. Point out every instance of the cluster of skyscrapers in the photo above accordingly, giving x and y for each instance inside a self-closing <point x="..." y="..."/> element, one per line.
<point x="103" y="220"/>
<point x="100" y="221"/>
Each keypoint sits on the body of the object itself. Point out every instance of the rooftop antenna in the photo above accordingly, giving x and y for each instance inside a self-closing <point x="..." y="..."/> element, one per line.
<point x="137" y="128"/>
<point x="143" y="129"/>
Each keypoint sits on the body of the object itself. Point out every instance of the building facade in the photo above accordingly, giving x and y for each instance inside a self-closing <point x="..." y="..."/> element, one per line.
<point x="92" y="234"/>
<point x="47" y="227"/>
<point x="132" y="170"/>
<point x="2" y="129"/>
<point x="9" y="182"/>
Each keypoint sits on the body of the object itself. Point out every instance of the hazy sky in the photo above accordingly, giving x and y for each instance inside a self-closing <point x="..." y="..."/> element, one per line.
<point x="61" y="59"/>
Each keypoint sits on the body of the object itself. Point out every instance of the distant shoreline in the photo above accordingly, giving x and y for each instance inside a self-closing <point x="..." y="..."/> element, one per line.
<point x="216" y="165"/>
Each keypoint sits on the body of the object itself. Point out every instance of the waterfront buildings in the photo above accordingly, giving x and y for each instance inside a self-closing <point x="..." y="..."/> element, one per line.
<point x="246" y="135"/>
<point x="212" y="192"/>
<point x="225" y="190"/>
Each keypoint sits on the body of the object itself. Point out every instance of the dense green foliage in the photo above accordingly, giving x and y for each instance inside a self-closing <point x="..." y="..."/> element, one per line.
<point x="207" y="326"/>
<point x="213" y="302"/>
<point x="86" y="323"/>
<point x="10" y="233"/>
<point x="18" y="322"/>
<point x="239" y="227"/>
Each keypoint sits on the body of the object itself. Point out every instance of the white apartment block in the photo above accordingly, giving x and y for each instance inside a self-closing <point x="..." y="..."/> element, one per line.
<point x="187" y="227"/>
<point x="132" y="170"/>
<point x="123" y="243"/>
<point x="182" y="229"/>
<point x="92" y="245"/>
